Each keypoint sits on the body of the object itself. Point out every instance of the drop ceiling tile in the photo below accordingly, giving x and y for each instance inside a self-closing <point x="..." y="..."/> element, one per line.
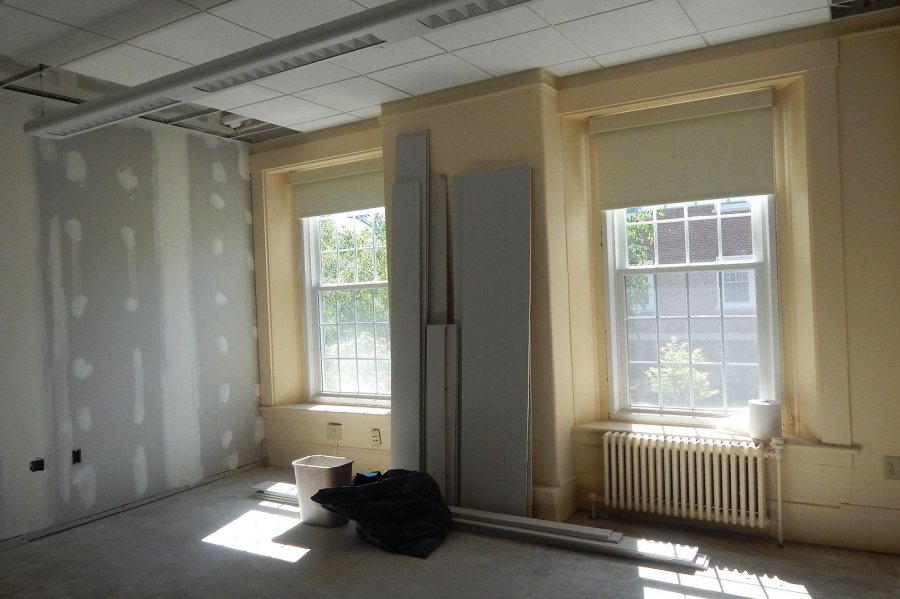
<point x="199" y="38"/>
<point x="486" y="28"/>
<point x="236" y="97"/>
<point x="305" y="77"/>
<point x="681" y="44"/>
<point x="573" y="66"/>
<point x="125" y="64"/>
<point x="368" y="113"/>
<point x="637" y="25"/>
<point x="718" y="14"/>
<point x="372" y="3"/>
<point x="520" y="52"/>
<point x="352" y="94"/>
<point x="204" y="4"/>
<point x="31" y="39"/>
<point x="277" y="18"/>
<point x="285" y="111"/>
<point x="119" y="19"/>
<point x="330" y="121"/>
<point x="430" y="74"/>
<point x="560" y="11"/>
<point x="794" y="21"/>
<point x="385" y="56"/>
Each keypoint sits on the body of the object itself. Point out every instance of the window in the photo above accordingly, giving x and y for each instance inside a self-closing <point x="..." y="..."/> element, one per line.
<point x="691" y="306"/>
<point x="348" y="339"/>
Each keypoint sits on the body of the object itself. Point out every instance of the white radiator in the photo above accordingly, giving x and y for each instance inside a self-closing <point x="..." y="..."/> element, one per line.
<point x="704" y="479"/>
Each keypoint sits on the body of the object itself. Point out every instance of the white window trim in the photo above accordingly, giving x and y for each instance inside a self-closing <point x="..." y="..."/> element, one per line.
<point x="763" y="262"/>
<point x="310" y="274"/>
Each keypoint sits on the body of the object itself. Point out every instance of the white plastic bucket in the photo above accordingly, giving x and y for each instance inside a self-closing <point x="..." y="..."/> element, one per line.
<point x="316" y="472"/>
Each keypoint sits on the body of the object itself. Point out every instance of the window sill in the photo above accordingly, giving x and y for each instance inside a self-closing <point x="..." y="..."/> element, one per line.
<point x="797" y="449"/>
<point x="305" y="411"/>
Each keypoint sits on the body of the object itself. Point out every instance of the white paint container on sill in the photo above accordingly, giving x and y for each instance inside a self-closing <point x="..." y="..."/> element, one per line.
<point x="765" y="419"/>
<point x="316" y="472"/>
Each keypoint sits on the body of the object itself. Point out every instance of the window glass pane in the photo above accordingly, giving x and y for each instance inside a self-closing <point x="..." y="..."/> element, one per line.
<point x="384" y="376"/>
<point x="642" y="340"/>
<point x="671" y="242"/>
<point x="671" y="293"/>
<point x="381" y="267"/>
<point x="742" y="385"/>
<point x="349" y="381"/>
<point x="702" y="209"/>
<point x="706" y="385"/>
<point x="364" y="305"/>
<point x="741" y="340"/>
<point x="735" y="206"/>
<point x="327" y="236"/>
<point x="634" y="215"/>
<point x="379" y="228"/>
<point x="704" y="236"/>
<point x="739" y="292"/>
<point x="345" y="233"/>
<point x="640" y="296"/>
<point x="673" y="386"/>
<point x="365" y="261"/>
<point x="673" y="331"/>
<point x="640" y="245"/>
<point x="381" y="305"/>
<point x="706" y="339"/>
<point x="383" y="340"/>
<point x="670" y="212"/>
<point x="345" y="306"/>
<point x="331" y="378"/>
<point x="704" y="289"/>
<point x="329" y="341"/>
<point x="365" y="340"/>
<point x="327" y="307"/>
<point x="347" y="267"/>
<point x="347" y="341"/>
<point x="329" y="268"/>
<point x="737" y="237"/>
<point x="367" y="376"/>
<point x="364" y="237"/>
<point x="642" y="385"/>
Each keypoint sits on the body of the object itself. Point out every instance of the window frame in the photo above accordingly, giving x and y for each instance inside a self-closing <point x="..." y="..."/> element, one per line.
<point x="311" y="283"/>
<point x="763" y="262"/>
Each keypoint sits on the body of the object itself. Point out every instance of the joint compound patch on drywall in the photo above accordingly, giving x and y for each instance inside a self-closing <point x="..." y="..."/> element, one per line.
<point x="251" y="264"/>
<point x="244" y="163"/>
<point x="256" y="390"/>
<point x="217" y="201"/>
<point x="227" y="436"/>
<point x="218" y="246"/>
<point x="47" y="151"/>
<point x="231" y="461"/>
<point x="81" y="369"/>
<point x="127" y="179"/>
<point x="84" y="480"/>
<point x="139" y="471"/>
<point x="220" y="298"/>
<point x="255" y="332"/>
<point x="248" y="217"/>
<point x="259" y="431"/>
<point x="224" y="392"/>
<point x="83" y="418"/>
<point x="76" y="168"/>
<point x="138" y="364"/>
<point x="218" y="172"/>
<point x="128" y="238"/>
<point x="180" y="388"/>
<point x="60" y="355"/>
<point x="73" y="230"/>
<point x="222" y="345"/>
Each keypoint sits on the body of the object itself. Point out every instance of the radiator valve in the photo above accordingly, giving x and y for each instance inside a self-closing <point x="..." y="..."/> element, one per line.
<point x="593" y="498"/>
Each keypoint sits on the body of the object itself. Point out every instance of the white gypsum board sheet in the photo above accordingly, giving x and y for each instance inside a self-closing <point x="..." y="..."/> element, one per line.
<point x="495" y="252"/>
<point x="435" y="383"/>
<point x="437" y="251"/>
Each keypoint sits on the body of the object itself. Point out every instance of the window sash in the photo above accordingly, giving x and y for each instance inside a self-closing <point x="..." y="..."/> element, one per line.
<point x="311" y="280"/>
<point x="763" y="286"/>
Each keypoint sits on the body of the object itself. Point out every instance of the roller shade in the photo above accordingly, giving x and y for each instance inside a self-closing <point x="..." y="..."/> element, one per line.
<point x="716" y="148"/>
<point x="343" y="193"/>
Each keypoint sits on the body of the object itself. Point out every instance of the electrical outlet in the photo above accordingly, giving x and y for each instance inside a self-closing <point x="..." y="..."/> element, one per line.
<point x="892" y="467"/>
<point x="76" y="456"/>
<point x="334" y="432"/>
<point x="36" y="465"/>
<point x="376" y="437"/>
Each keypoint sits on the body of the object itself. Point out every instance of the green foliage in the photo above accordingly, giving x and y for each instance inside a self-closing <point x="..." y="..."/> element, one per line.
<point x="674" y="381"/>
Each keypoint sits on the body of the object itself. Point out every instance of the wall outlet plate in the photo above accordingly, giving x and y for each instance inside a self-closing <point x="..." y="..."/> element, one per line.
<point x="892" y="467"/>
<point x="376" y="437"/>
<point x="334" y="432"/>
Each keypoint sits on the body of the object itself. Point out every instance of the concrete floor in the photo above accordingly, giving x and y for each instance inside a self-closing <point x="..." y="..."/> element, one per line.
<point x="256" y="550"/>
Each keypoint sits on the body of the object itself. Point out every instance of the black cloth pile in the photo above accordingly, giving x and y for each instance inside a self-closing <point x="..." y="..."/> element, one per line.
<point x="401" y="511"/>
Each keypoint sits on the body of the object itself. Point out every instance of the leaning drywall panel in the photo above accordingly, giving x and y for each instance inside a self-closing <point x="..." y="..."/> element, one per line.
<point x="495" y="235"/>
<point x="435" y="415"/>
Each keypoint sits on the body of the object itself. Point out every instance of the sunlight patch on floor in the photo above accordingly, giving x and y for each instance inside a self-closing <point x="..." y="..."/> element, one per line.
<point x="253" y="533"/>
<point x="730" y="583"/>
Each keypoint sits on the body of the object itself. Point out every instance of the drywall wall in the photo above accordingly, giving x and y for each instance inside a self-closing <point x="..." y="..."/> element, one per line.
<point x="128" y="317"/>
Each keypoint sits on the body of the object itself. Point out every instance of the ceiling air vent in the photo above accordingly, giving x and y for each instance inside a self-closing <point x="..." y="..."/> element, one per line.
<point x="466" y="11"/>
<point x="357" y="43"/>
<point x="848" y="8"/>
